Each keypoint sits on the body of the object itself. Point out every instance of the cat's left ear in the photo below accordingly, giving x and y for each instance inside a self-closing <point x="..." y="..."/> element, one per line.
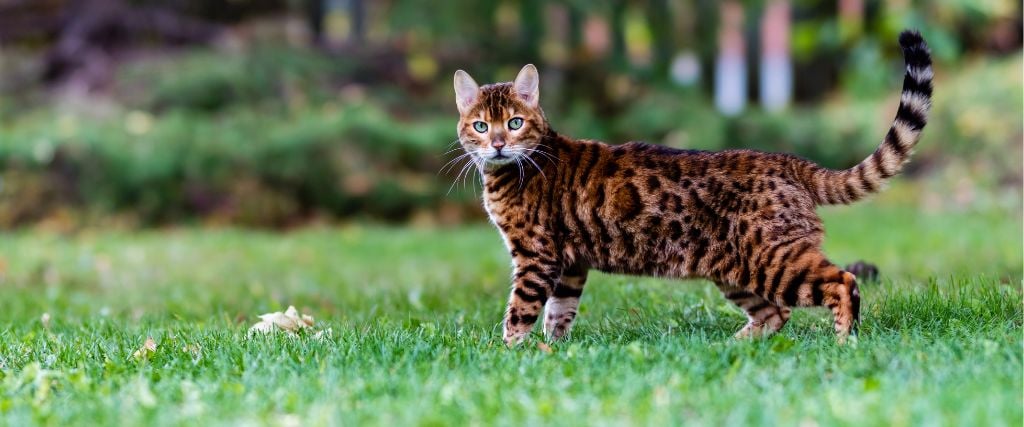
<point x="527" y="86"/>
<point x="466" y="91"/>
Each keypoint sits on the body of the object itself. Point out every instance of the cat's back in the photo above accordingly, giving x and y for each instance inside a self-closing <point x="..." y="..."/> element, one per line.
<point x="724" y="178"/>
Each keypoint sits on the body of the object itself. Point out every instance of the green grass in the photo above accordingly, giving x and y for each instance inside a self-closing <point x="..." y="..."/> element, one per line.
<point x="416" y="313"/>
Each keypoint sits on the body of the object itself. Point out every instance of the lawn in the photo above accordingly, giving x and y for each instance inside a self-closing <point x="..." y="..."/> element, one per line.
<point x="415" y="315"/>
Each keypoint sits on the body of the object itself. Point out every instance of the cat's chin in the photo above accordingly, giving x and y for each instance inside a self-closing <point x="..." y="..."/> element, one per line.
<point x="501" y="160"/>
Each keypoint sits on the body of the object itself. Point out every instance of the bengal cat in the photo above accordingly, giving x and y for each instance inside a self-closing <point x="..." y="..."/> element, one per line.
<point x="743" y="219"/>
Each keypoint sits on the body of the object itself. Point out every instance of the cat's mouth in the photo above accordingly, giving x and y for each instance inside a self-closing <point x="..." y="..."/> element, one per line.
<point x="498" y="158"/>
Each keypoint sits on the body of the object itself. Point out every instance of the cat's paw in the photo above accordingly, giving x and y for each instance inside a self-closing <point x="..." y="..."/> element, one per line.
<point x="558" y="325"/>
<point x="750" y="331"/>
<point x="514" y="336"/>
<point x="769" y="327"/>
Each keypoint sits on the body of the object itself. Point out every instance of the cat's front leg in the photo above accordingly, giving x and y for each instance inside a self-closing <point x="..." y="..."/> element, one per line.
<point x="533" y="282"/>
<point x="561" y="309"/>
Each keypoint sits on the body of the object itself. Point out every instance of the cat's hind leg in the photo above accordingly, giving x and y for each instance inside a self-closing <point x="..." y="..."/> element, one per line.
<point x="562" y="307"/>
<point x="809" y="279"/>
<point x="763" y="317"/>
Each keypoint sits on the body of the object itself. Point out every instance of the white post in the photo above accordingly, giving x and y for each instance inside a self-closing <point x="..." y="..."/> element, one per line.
<point x="731" y="65"/>
<point x="776" y="69"/>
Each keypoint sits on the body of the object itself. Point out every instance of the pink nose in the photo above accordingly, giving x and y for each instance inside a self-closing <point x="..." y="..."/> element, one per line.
<point x="498" y="144"/>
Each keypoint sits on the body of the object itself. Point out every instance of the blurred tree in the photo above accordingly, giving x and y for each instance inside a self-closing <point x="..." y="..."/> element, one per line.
<point x="851" y="19"/>
<point x="357" y="13"/>
<point x="660" y="18"/>
<point x="91" y="31"/>
<point x="618" y="30"/>
<point x="816" y="49"/>
<point x="706" y="35"/>
<point x="685" y="69"/>
<point x="576" y="18"/>
<point x="315" y="18"/>
<point x="531" y="15"/>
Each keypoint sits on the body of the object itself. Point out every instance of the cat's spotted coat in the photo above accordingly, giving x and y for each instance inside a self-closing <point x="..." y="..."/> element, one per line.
<point x="741" y="218"/>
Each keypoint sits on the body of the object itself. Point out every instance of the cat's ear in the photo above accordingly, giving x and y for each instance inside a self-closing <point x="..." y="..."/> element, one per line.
<point x="466" y="91"/>
<point x="527" y="86"/>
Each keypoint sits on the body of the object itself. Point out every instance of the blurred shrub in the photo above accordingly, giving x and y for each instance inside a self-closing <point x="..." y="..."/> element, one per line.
<point x="212" y="80"/>
<point x="213" y="141"/>
<point x="245" y="166"/>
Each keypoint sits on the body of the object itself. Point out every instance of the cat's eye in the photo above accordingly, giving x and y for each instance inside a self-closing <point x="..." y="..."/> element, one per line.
<point x="515" y="123"/>
<point x="480" y="126"/>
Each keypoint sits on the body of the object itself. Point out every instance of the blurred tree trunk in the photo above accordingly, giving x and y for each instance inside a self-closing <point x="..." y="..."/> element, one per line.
<point x="91" y="31"/>
<point x="685" y="68"/>
<point x="660" y="18"/>
<point x="731" y="65"/>
<point x="315" y="20"/>
<point x="851" y="19"/>
<point x="618" y="27"/>
<point x="776" y="82"/>
<point x="357" y="12"/>
<point x="575" y="29"/>
<point x="532" y="24"/>
<point x="30" y="20"/>
<point x="706" y="34"/>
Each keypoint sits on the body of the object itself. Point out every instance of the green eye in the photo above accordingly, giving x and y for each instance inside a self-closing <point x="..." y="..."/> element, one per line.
<point x="480" y="127"/>
<point x="515" y="123"/>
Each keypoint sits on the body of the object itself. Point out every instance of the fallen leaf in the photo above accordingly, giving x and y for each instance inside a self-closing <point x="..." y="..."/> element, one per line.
<point x="192" y="349"/>
<point x="324" y="335"/>
<point x="147" y="350"/>
<point x="289" y="321"/>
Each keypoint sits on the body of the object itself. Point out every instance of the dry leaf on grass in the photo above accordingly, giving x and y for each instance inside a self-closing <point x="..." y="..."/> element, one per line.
<point x="147" y="349"/>
<point x="290" y="322"/>
<point x="324" y="335"/>
<point x="193" y="349"/>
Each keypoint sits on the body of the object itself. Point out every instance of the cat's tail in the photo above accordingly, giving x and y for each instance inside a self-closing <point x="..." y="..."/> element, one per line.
<point x="846" y="186"/>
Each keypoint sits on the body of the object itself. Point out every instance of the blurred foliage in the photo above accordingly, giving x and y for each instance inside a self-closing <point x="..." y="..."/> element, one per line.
<point x="277" y="145"/>
<point x="241" y="156"/>
<point x="260" y="128"/>
<point x="242" y="167"/>
<point x="211" y="80"/>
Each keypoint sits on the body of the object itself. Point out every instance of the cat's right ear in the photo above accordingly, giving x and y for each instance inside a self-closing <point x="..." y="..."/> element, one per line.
<point x="466" y="91"/>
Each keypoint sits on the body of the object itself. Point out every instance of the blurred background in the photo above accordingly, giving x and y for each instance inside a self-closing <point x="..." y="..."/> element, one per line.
<point x="283" y="113"/>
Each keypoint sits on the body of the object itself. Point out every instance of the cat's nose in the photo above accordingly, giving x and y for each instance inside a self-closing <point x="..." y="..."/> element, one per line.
<point x="498" y="144"/>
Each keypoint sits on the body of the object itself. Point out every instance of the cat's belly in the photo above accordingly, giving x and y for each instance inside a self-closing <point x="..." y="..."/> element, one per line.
<point x="640" y="254"/>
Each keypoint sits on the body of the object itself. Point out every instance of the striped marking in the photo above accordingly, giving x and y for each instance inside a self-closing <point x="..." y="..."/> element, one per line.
<point x="920" y="74"/>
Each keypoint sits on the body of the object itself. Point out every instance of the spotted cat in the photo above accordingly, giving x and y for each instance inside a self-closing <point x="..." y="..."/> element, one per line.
<point x="743" y="219"/>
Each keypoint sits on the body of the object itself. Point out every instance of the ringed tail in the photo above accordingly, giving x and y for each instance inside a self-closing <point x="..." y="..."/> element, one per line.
<point x="831" y="187"/>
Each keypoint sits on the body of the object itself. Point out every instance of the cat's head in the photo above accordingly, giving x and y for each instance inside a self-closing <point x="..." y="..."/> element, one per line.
<point x="500" y="122"/>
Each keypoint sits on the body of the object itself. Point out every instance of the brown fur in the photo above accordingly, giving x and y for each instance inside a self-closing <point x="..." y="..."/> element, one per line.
<point x="741" y="218"/>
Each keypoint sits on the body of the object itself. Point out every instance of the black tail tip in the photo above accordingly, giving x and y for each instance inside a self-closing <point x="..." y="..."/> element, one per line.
<point x="915" y="49"/>
<point x="910" y="39"/>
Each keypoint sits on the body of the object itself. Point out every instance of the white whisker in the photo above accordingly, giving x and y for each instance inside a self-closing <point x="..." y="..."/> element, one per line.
<point x="519" y="163"/>
<point x="458" y="178"/>
<point x="451" y="163"/>
<point x="527" y="157"/>
<point x="549" y="156"/>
